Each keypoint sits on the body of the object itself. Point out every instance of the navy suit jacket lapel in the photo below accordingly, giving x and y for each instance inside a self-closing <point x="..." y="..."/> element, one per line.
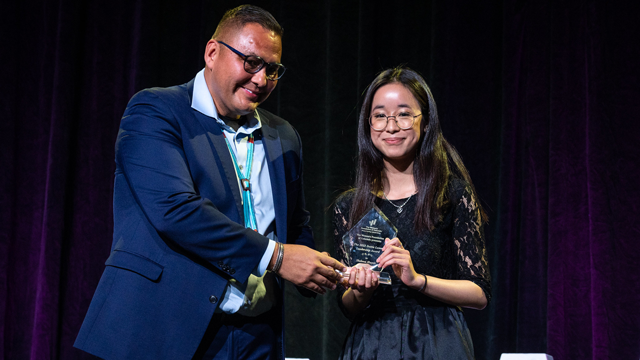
<point x="216" y="137"/>
<point x="273" y="150"/>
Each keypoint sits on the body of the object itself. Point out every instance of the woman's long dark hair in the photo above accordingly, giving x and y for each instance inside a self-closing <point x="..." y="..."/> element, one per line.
<point x="435" y="158"/>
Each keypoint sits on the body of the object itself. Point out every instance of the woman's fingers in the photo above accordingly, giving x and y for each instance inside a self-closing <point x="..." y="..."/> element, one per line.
<point x="392" y="242"/>
<point x="362" y="279"/>
<point x="357" y="278"/>
<point x="394" y="258"/>
<point x="353" y="277"/>
<point x="391" y="250"/>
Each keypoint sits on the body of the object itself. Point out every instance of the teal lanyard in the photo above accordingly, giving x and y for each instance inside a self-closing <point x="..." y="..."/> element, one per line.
<point x="247" y="202"/>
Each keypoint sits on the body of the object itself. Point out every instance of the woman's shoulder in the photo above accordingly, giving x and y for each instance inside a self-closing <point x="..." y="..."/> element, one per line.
<point x="344" y="200"/>
<point x="462" y="197"/>
<point x="341" y="210"/>
<point x="459" y="188"/>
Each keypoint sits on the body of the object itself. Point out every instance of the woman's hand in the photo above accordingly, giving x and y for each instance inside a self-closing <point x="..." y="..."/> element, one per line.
<point x="361" y="279"/>
<point x="361" y="284"/>
<point x="400" y="260"/>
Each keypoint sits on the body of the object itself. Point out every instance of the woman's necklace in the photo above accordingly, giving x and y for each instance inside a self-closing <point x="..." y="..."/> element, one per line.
<point x="399" y="208"/>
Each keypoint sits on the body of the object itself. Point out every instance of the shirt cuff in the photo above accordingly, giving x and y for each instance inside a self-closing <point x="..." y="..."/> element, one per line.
<point x="266" y="258"/>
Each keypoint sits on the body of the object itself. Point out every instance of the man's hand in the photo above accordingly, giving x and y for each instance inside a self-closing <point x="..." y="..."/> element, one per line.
<point x="308" y="268"/>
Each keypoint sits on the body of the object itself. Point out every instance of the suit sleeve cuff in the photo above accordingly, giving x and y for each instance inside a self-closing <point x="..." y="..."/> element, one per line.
<point x="266" y="258"/>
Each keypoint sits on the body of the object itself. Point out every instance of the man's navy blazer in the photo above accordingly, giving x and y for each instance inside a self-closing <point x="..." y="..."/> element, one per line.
<point x="178" y="226"/>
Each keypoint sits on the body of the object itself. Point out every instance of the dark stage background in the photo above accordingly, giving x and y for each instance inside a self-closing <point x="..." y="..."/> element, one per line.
<point x="541" y="98"/>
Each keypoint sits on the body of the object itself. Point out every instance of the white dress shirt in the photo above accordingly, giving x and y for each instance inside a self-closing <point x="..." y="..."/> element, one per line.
<point x="238" y="297"/>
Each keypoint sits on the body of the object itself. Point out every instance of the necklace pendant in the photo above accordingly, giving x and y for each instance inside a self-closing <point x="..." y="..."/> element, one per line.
<point x="399" y="210"/>
<point x="246" y="185"/>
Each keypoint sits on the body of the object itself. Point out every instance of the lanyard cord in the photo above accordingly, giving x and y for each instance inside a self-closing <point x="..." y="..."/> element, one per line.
<point x="247" y="202"/>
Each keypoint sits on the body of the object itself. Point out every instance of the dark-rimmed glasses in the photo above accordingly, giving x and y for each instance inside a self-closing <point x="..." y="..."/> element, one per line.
<point x="253" y="64"/>
<point x="404" y="120"/>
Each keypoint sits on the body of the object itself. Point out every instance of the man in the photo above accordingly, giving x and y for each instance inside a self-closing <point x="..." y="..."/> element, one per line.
<point x="205" y="183"/>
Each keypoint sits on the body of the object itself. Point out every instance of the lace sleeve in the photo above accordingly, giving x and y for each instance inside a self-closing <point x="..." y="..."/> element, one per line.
<point x="340" y="227"/>
<point x="340" y="224"/>
<point x="468" y="237"/>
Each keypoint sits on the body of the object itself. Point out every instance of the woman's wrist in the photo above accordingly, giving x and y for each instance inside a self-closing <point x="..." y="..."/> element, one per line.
<point x="361" y="295"/>
<point x="355" y="301"/>
<point x="424" y="284"/>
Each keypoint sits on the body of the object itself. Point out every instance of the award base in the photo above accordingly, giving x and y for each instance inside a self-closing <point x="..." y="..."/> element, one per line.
<point x="384" y="278"/>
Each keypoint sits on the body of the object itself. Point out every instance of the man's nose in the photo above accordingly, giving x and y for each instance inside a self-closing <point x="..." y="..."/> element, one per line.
<point x="260" y="78"/>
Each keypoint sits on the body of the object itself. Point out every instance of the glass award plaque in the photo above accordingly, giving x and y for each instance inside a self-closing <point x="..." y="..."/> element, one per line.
<point x="363" y="243"/>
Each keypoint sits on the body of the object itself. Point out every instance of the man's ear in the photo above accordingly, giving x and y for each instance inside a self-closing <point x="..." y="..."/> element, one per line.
<point x="211" y="51"/>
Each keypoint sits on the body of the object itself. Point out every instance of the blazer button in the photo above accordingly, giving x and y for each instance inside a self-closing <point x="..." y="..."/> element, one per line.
<point x="232" y="271"/>
<point x="213" y="299"/>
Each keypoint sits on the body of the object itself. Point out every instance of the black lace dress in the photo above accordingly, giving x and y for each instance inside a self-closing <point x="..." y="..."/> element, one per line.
<point x="399" y="322"/>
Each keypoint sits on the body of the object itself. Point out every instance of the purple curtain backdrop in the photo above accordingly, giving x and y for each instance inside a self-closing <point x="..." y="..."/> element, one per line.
<point x="542" y="99"/>
<point x="569" y="193"/>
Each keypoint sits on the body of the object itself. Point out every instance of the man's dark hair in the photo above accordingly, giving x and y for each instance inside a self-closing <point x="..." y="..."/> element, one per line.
<point x="237" y="18"/>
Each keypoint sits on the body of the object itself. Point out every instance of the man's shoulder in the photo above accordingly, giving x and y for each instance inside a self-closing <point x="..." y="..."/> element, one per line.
<point x="178" y="95"/>
<point x="271" y="120"/>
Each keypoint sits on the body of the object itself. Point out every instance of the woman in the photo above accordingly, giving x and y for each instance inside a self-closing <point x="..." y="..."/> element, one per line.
<point x="438" y="260"/>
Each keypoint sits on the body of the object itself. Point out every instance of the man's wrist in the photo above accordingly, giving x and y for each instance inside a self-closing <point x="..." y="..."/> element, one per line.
<point x="276" y="259"/>
<point x="266" y="261"/>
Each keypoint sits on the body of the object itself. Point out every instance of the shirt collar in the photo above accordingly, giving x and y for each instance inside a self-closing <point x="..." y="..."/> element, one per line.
<point x="203" y="103"/>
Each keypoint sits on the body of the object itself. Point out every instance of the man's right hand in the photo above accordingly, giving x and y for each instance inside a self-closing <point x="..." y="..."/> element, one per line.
<point x="308" y="268"/>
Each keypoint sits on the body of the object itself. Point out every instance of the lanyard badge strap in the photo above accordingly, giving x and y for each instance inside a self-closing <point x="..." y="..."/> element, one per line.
<point x="245" y="183"/>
